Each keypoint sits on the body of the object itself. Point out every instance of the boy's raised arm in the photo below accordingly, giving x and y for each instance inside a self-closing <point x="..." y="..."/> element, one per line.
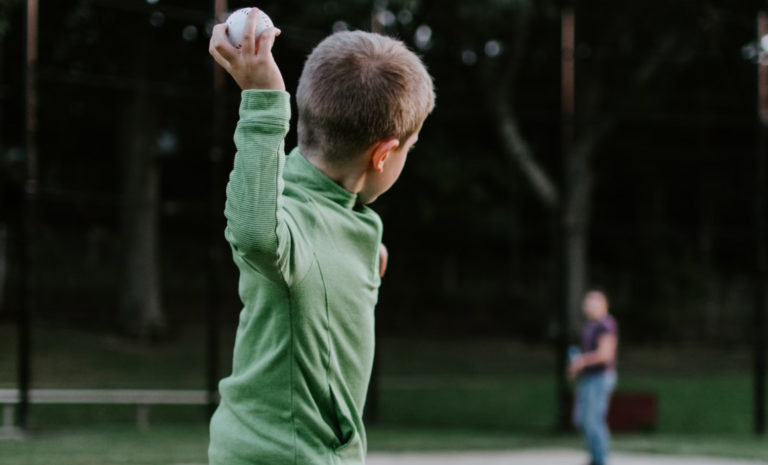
<point x="256" y="224"/>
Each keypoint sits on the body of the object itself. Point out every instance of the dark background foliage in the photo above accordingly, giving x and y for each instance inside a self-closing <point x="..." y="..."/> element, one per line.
<point x="672" y="222"/>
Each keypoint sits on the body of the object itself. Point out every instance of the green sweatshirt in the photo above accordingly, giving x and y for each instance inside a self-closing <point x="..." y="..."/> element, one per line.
<point x="308" y="256"/>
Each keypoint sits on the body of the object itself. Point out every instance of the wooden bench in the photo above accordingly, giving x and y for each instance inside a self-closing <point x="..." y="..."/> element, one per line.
<point x="633" y="411"/>
<point x="142" y="398"/>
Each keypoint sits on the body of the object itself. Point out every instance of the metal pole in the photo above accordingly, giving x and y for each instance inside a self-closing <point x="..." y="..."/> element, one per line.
<point x="31" y="96"/>
<point x="761" y="268"/>
<point x="30" y="192"/>
<point x="376" y="26"/>
<point x="212" y="321"/>
<point x="566" y="141"/>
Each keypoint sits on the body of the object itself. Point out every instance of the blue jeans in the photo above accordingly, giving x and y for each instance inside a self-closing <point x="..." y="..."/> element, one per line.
<point x="590" y="410"/>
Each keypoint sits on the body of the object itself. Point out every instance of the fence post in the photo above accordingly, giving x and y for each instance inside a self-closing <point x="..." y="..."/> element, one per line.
<point x="567" y="79"/>
<point x="216" y="154"/>
<point x="761" y="264"/>
<point x="30" y="193"/>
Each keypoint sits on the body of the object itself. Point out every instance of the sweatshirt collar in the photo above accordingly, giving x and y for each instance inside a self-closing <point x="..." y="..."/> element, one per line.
<point x="300" y="170"/>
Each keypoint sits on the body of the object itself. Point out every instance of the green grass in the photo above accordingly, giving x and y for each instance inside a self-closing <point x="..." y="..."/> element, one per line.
<point x="177" y="444"/>
<point x="384" y="439"/>
<point x="457" y="384"/>
<point x="507" y="385"/>
<point x="480" y="402"/>
<point x="64" y="358"/>
<point x="744" y="446"/>
<point x="705" y="403"/>
<point x="109" y="445"/>
<point x="420" y="440"/>
<point x="434" y="395"/>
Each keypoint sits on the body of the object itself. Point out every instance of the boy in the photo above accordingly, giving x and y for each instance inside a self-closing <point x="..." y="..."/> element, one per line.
<point x="308" y="249"/>
<point x="597" y="366"/>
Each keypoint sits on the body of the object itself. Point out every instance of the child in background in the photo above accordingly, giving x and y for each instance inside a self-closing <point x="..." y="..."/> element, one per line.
<point x="597" y="366"/>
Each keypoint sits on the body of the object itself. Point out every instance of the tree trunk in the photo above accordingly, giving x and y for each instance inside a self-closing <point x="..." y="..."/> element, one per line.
<point x="3" y="263"/>
<point x="520" y="153"/>
<point x="3" y="226"/>
<point x="576" y="222"/>
<point x="141" y="312"/>
<point x="574" y="203"/>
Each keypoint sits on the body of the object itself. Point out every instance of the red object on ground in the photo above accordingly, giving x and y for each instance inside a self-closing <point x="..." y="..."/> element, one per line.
<point x="631" y="411"/>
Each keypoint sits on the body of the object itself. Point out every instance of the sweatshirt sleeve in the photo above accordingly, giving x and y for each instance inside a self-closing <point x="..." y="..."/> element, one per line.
<point x="257" y="225"/>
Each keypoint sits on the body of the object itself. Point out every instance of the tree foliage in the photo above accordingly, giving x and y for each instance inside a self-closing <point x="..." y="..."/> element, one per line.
<point x="664" y="117"/>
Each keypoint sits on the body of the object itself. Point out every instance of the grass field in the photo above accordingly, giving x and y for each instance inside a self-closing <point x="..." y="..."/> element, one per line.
<point x="434" y="395"/>
<point x="187" y="443"/>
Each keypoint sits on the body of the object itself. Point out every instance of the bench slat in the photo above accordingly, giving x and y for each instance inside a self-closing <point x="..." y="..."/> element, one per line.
<point x="107" y="396"/>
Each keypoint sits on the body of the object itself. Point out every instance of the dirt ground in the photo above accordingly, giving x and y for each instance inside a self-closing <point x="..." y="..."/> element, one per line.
<point x="535" y="457"/>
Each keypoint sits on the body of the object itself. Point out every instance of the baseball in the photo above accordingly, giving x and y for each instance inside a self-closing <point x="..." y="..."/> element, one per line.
<point x="236" y="24"/>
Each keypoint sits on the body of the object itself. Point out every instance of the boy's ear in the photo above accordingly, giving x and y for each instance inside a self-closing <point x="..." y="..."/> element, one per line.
<point x="380" y="152"/>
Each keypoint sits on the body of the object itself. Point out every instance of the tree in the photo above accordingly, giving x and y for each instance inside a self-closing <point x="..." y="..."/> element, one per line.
<point x="653" y="57"/>
<point x="141" y="307"/>
<point x="7" y="9"/>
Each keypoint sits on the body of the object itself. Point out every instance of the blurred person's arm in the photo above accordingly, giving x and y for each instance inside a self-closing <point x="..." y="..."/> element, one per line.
<point x="603" y="355"/>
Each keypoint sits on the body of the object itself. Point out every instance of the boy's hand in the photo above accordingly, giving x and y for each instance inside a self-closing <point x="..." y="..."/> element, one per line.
<point x="383" y="259"/>
<point x="252" y="66"/>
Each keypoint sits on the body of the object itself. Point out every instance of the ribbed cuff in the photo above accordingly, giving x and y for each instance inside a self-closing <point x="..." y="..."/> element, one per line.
<point x="278" y="101"/>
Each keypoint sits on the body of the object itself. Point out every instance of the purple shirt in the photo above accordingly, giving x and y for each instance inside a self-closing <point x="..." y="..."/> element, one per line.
<point x="590" y="337"/>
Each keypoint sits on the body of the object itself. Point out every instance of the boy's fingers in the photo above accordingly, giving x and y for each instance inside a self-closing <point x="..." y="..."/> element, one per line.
<point x="223" y="62"/>
<point x="267" y="40"/>
<point x="220" y="43"/>
<point x="249" y="32"/>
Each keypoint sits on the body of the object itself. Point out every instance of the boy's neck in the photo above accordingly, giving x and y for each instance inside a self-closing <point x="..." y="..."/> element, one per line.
<point x="351" y="177"/>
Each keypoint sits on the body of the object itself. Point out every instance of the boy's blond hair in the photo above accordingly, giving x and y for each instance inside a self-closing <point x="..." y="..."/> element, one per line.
<point x="358" y="88"/>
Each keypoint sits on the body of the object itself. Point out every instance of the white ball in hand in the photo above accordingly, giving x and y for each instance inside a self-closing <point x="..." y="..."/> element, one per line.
<point x="236" y="24"/>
